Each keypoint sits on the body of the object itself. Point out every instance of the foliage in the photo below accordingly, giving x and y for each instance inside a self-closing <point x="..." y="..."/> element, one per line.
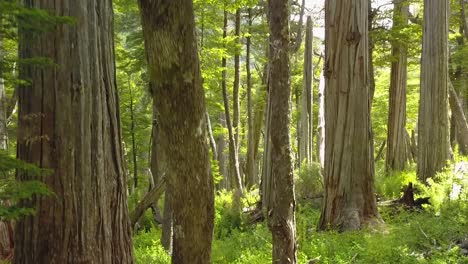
<point x="148" y="248"/>
<point x="13" y="191"/>
<point x="309" y="180"/>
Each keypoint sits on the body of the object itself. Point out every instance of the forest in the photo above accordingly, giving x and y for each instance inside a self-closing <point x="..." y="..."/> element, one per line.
<point x="233" y="131"/>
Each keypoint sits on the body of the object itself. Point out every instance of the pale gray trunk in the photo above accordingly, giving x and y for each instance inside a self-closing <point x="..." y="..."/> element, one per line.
<point x="250" y="164"/>
<point x="306" y="140"/>
<point x="433" y="123"/>
<point x="460" y="120"/>
<point x="321" y="121"/>
<point x="234" y="172"/>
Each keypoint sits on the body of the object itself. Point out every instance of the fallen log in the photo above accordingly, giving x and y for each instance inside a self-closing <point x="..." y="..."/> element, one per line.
<point x="149" y="199"/>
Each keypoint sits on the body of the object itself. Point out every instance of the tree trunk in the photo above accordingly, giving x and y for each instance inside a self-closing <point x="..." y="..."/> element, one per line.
<point x="433" y="124"/>
<point x="235" y="90"/>
<point x="223" y="166"/>
<point x="349" y="176"/>
<point x="250" y="171"/>
<point x="459" y="116"/>
<point x="211" y="138"/>
<point x="305" y="151"/>
<point x="132" y="129"/>
<point x="171" y="51"/>
<point x="69" y="121"/>
<point x="234" y="173"/>
<point x="321" y="121"/>
<point x="397" y="155"/>
<point x="281" y="221"/>
<point x="3" y="98"/>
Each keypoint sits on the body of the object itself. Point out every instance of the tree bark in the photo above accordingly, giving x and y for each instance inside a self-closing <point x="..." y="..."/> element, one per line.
<point x="460" y="120"/>
<point x="132" y="128"/>
<point x="69" y="121"/>
<point x="235" y="90"/>
<point x="321" y="121"/>
<point x="397" y="155"/>
<point x="349" y="202"/>
<point x="281" y="219"/>
<point x="433" y="124"/>
<point x="250" y="171"/>
<point x="223" y="166"/>
<point x="172" y="54"/>
<point x="234" y="173"/>
<point x="211" y="138"/>
<point x="305" y="151"/>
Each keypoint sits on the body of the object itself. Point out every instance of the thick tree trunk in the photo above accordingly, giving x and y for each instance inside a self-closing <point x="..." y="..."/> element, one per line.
<point x="397" y="155"/>
<point x="171" y="50"/>
<point x="250" y="165"/>
<point x="69" y="121"/>
<point x="349" y="176"/>
<point x="305" y="151"/>
<point x="234" y="173"/>
<point x="460" y="120"/>
<point x="433" y="124"/>
<point x="281" y="219"/>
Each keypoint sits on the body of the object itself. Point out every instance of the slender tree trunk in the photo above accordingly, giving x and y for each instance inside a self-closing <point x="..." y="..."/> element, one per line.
<point x="321" y="121"/>
<point x="234" y="172"/>
<point x="397" y="155"/>
<point x="132" y="128"/>
<point x="281" y="221"/>
<point x="460" y="120"/>
<point x="305" y="151"/>
<point x="167" y="222"/>
<point x="69" y="121"/>
<point x="235" y="90"/>
<point x="211" y="138"/>
<point x="172" y="54"/>
<point x="349" y="176"/>
<point x="3" y="98"/>
<point x="223" y="164"/>
<point x="433" y="124"/>
<point x="250" y="171"/>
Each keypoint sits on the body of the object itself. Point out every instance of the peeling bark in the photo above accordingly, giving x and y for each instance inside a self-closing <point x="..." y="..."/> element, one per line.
<point x="349" y="172"/>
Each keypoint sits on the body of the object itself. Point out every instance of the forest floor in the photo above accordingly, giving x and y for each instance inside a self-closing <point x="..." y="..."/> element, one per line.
<point x="438" y="233"/>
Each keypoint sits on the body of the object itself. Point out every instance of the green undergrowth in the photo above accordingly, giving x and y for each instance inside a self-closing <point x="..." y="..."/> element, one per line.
<point x="420" y="236"/>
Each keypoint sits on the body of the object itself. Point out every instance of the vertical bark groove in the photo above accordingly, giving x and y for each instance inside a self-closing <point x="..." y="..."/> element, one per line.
<point x="433" y="120"/>
<point x="69" y="121"/>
